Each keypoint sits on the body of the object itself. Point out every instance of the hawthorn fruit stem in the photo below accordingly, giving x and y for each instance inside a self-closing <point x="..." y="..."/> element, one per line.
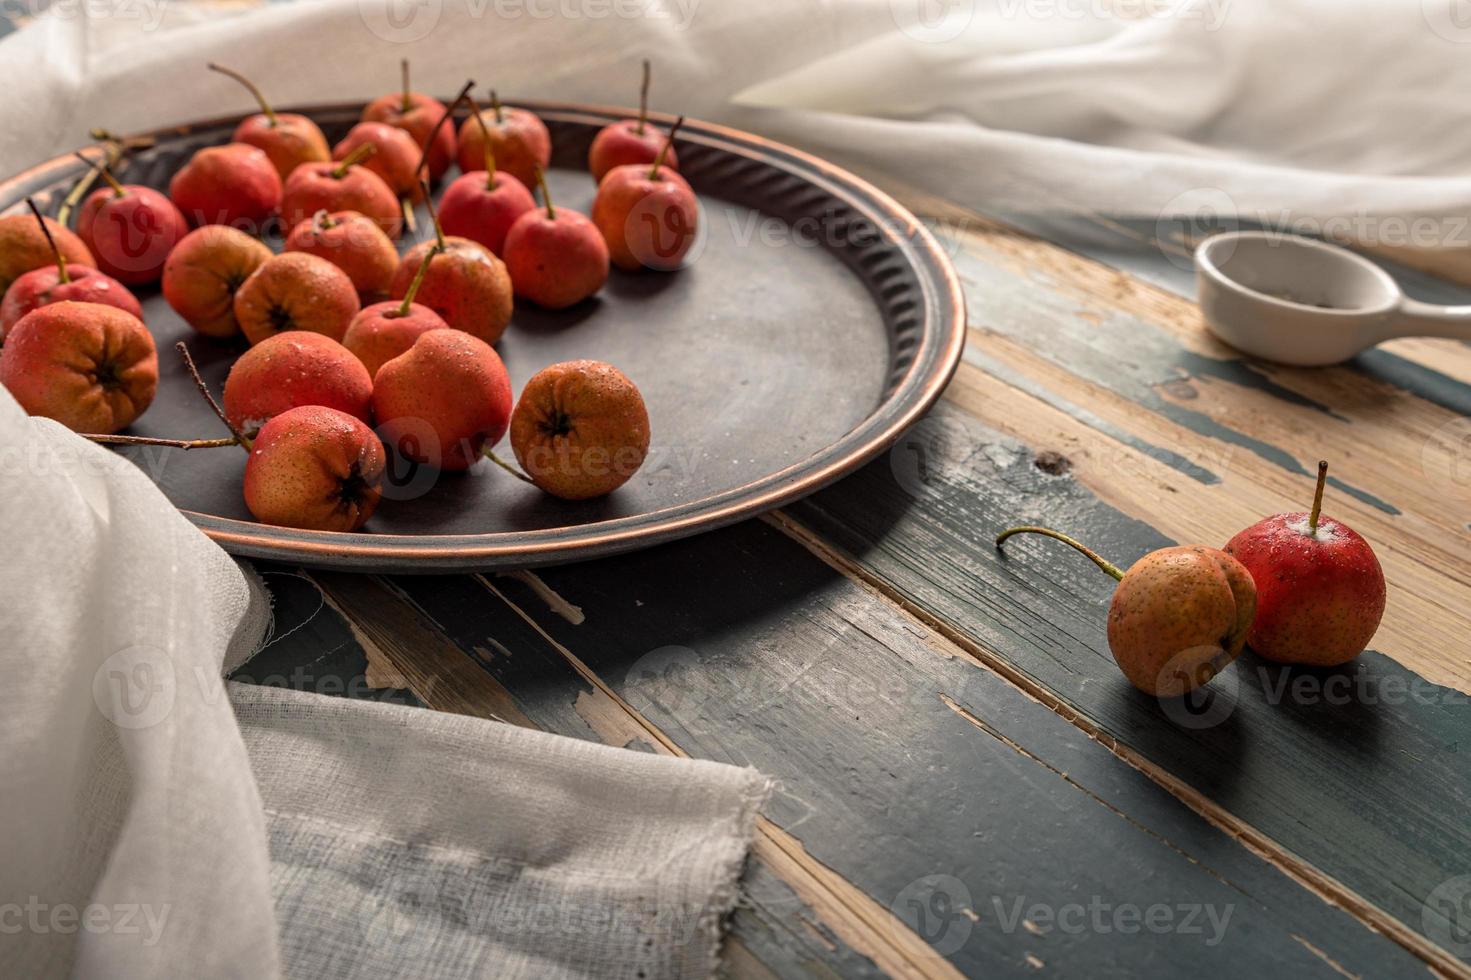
<point x="413" y="290"/>
<point x="357" y="156"/>
<point x="1318" y="497"/>
<point x="490" y="455"/>
<point x="495" y="106"/>
<point x="433" y="216"/>
<point x="664" y="150"/>
<point x="643" y="97"/>
<point x="485" y="141"/>
<point x="449" y="110"/>
<point x="1094" y="556"/>
<point x="61" y="272"/>
<point x="403" y="74"/>
<point x="546" y="195"/>
<point x="204" y="390"/>
<point x="265" y="107"/>
<point x="117" y="440"/>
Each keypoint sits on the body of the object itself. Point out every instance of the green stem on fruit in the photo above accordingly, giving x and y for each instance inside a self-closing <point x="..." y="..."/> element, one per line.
<point x="321" y="221"/>
<point x="490" y="455"/>
<point x="1096" y="558"/>
<point x="485" y="141"/>
<point x="546" y="195"/>
<point x="265" y="106"/>
<point x="357" y="156"/>
<point x="403" y="74"/>
<point x="495" y="106"/>
<point x="664" y="150"/>
<point x="403" y="310"/>
<point x="643" y="98"/>
<point x="1318" y="498"/>
<point x="433" y="215"/>
<point x="116" y="440"/>
<point x="61" y="272"/>
<point x="449" y="111"/>
<point x="204" y="390"/>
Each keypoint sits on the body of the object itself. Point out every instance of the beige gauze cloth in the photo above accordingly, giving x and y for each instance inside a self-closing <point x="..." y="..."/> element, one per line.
<point x="156" y="821"/>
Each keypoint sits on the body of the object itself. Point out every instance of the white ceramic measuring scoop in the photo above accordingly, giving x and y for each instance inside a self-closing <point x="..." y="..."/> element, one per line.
<point x="1300" y="301"/>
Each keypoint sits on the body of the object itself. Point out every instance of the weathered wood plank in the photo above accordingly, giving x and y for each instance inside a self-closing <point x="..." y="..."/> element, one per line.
<point x="329" y="631"/>
<point x="311" y="648"/>
<point x="1132" y="361"/>
<point x="1094" y="393"/>
<point x="1437" y="370"/>
<point x="898" y="758"/>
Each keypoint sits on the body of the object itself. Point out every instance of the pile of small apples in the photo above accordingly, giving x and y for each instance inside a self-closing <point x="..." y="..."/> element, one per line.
<point x="1302" y="588"/>
<point x="342" y="330"/>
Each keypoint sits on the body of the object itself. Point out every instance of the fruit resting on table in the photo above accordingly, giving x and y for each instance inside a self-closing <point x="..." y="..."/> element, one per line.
<point x="1319" y="586"/>
<point x="1178" y="616"/>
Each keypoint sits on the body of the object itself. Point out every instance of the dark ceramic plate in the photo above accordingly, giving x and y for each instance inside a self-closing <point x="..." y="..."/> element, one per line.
<point x="815" y="322"/>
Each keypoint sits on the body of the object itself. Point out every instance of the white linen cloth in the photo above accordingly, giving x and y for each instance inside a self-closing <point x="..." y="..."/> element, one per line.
<point x="156" y="822"/>
<point x="1286" y="110"/>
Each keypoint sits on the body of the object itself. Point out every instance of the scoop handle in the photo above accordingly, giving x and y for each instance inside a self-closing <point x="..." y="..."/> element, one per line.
<point x="1417" y="319"/>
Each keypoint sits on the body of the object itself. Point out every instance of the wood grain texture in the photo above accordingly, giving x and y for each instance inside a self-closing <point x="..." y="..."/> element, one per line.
<point x="1166" y="436"/>
<point x="958" y="757"/>
<point x="775" y="930"/>
<point x="898" y="758"/>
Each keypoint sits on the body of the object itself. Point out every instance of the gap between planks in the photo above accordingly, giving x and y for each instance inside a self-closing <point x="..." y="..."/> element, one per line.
<point x="1325" y="886"/>
<point x="859" y="921"/>
<point x="1422" y="547"/>
<point x="853" y="916"/>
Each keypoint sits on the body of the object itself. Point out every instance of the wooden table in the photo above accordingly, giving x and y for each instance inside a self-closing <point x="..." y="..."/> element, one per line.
<point x="967" y="784"/>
